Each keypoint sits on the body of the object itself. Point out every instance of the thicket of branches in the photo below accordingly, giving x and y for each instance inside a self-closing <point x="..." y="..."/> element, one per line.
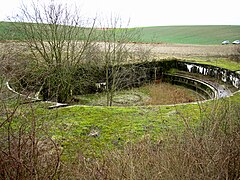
<point x="236" y="56"/>
<point x="27" y="150"/>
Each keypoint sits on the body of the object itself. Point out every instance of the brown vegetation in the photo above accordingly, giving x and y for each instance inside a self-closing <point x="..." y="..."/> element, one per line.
<point x="27" y="151"/>
<point x="165" y="93"/>
<point x="185" y="50"/>
<point x="236" y="56"/>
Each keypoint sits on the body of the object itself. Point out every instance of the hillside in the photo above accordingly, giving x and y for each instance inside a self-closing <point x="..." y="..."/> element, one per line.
<point x="208" y="35"/>
<point x="205" y="35"/>
<point x="8" y="31"/>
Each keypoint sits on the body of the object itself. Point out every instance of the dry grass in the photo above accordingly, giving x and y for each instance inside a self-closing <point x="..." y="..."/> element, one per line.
<point x="27" y="151"/>
<point x="165" y="93"/>
<point x="165" y="50"/>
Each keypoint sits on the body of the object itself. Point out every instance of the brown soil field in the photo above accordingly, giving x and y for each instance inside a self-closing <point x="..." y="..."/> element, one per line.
<point x="182" y="50"/>
<point x="161" y="49"/>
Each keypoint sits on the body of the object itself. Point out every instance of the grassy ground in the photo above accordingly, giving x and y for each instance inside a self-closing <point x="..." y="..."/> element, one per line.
<point x="190" y="34"/>
<point x="151" y="142"/>
<point x="94" y="130"/>
<point x="208" y="150"/>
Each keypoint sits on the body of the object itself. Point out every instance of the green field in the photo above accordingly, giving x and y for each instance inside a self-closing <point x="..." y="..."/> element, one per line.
<point x="206" y="35"/>
<point x="8" y="32"/>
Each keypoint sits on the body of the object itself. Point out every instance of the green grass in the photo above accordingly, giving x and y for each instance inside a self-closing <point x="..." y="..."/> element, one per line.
<point x="168" y="127"/>
<point x="15" y="31"/>
<point x="115" y="125"/>
<point x="215" y="61"/>
<point x="208" y="35"/>
<point x="8" y="31"/>
<point x="71" y="126"/>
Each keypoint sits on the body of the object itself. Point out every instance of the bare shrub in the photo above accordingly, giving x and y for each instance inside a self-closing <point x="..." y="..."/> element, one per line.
<point x="236" y="55"/>
<point x="12" y="59"/>
<point x="26" y="148"/>
<point x="209" y="151"/>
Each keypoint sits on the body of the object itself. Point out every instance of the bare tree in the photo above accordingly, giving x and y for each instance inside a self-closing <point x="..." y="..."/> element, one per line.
<point x="59" y="41"/>
<point x="117" y="53"/>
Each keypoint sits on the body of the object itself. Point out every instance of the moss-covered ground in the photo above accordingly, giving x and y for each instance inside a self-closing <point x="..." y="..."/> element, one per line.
<point x="92" y="130"/>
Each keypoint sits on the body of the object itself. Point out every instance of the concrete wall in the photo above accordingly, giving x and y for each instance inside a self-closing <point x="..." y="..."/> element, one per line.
<point x="203" y="88"/>
<point x="227" y="76"/>
<point x="148" y="72"/>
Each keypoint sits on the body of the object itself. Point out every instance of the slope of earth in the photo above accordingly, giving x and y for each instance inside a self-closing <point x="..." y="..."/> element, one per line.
<point x="208" y="35"/>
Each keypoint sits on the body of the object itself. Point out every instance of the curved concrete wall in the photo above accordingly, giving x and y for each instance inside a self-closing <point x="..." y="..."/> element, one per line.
<point x="207" y="90"/>
<point x="151" y="71"/>
<point x="226" y="75"/>
<point x="135" y="75"/>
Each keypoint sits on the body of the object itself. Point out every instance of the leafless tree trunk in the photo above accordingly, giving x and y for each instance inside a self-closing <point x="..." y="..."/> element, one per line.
<point x="117" y="53"/>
